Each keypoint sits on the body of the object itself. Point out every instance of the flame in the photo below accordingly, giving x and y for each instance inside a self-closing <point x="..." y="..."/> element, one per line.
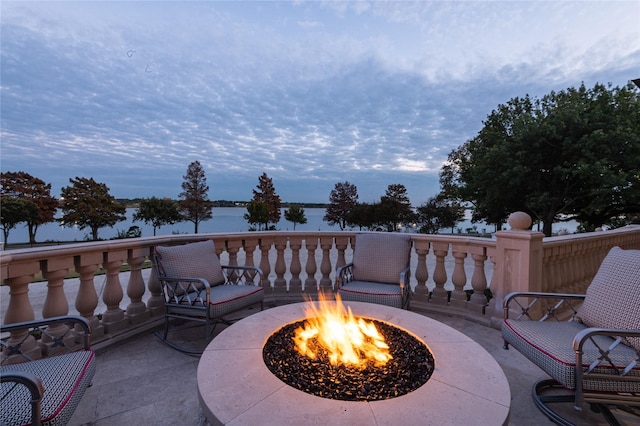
<point x="347" y="340"/>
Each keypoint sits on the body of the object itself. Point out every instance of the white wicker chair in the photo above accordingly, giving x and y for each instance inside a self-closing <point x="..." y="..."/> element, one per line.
<point x="588" y="344"/>
<point x="379" y="272"/>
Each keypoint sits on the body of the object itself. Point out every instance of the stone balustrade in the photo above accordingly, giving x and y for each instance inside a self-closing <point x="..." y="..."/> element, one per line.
<point x="449" y="273"/>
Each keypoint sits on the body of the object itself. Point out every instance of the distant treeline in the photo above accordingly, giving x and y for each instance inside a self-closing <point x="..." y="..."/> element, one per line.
<point x="134" y="203"/>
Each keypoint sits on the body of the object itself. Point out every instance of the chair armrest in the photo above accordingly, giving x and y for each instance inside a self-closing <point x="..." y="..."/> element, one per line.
<point x="581" y="338"/>
<point x="242" y="274"/>
<point x="34" y="385"/>
<point x="41" y="325"/>
<point x="564" y="301"/>
<point x="344" y="274"/>
<point x="405" y="276"/>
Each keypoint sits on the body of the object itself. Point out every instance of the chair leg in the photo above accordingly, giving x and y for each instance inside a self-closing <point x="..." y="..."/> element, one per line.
<point x="543" y="401"/>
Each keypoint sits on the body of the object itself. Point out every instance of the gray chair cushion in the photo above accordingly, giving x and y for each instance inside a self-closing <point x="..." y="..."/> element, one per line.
<point x="613" y="297"/>
<point x="382" y="294"/>
<point x="65" y="378"/>
<point x="548" y="344"/>
<point x="194" y="260"/>
<point x="380" y="257"/>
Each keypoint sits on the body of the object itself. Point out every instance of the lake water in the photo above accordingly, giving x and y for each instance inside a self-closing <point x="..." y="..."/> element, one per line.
<point x="225" y="219"/>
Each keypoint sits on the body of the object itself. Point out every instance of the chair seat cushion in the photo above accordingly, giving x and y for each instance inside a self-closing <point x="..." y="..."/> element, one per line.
<point x="65" y="378"/>
<point x="549" y="345"/>
<point x="372" y="292"/>
<point x="224" y="299"/>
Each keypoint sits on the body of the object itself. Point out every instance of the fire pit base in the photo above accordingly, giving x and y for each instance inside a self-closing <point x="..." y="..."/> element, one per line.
<point x="235" y="387"/>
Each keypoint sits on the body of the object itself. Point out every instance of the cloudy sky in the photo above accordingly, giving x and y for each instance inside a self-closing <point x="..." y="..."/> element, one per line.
<point x="312" y="93"/>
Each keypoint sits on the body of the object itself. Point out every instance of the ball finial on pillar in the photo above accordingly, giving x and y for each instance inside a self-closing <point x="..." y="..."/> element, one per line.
<point x="519" y="221"/>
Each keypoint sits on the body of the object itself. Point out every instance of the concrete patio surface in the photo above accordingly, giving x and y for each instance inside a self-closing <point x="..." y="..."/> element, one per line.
<point x="142" y="381"/>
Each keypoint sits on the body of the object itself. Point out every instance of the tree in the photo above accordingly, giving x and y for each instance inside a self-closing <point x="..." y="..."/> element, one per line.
<point x="266" y="193"/>
<point x="195" y="205"/>
<point x="295" y="214"/>
<point x="438" y="213"/>
<point x="23" y="185"/>
<point x="88" y="204"/>
<point x="575" y="152"/>
<point x="15" y="210"/>
<point x="257" y="214"/>
<point x="362" y="216"/>
<point x="395" y="207"/>
<point x="342" y="200"/>
<point x="157" y="212"/>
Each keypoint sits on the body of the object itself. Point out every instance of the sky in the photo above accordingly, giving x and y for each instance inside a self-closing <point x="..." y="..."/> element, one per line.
<point x="312" y="93"/>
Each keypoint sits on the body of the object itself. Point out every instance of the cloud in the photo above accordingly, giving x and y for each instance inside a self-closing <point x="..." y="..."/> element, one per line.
<point x="311" y="93"/>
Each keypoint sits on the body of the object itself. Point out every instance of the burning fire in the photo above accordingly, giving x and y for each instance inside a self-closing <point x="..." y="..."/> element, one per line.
<point x="348" y="340"/>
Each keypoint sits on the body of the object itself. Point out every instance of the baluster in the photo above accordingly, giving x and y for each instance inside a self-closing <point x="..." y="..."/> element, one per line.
<point x="439" y="294"/>
<point x="295" y="285"/>
<point x="459" y="277"/>
<point x="155" y="302"/>
<point x="249" y="248"/>
<point x="478" y="299"/>
<point x="113" y="318"/>
<point x="20" y="309"/>
<point x="310" y="283"/>
<point x="422" y="274"/>
<point x="341" y="245"/>
<point x="280" y="284"/>
<point x="87" y="298"/>
<point x="136" y="310"/>
<point x="233" y="247"/>
<point x="55" y="302"/>
<point x="54" y="271"/>
<point x="265" y="247"/>
<point x="326" y="243"/>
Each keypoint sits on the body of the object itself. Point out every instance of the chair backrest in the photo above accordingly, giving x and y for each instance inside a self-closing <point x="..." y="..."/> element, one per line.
<point x="613" y="297"/>
<point x="193" y="260"/>
<point x="381" y="257"/>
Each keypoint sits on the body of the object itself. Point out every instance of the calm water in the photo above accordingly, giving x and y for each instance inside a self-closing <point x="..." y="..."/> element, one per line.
<point x="225" y="219"/>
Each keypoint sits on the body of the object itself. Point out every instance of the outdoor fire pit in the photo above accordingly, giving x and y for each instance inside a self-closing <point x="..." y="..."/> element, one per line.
<point x="334" y="354"/>
<point x="463" y="385"/>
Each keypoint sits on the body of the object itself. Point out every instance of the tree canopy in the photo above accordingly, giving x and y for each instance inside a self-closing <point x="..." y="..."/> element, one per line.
<point x="295" y="214"/>
<point x="14" y="211"/>
<point x="24" y="186"/>
<point x="88" y="204"/>
<point x="194" y="203"/>
<point x="575" y="152"/>
<point x="257" y="215"/>
<point x="157" y="212"/>
<point x="438" y="213"/>
<point x="342" y="200"/>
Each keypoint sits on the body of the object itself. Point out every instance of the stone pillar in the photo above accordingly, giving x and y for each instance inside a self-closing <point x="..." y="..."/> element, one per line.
<point x="136" y="310"/>
<point x="280" y="284"/>
<point x="113" y="318"/>
<point x="518" y="261"/>
<point x="310" y="283"/>
<point x="439" y="295"/>
<point x="86" y="265"/>
<point x="295" y="284"/>
<point x="326" y="244"/>
<point x="459" y="277"/>
<point x="422" y="273"/>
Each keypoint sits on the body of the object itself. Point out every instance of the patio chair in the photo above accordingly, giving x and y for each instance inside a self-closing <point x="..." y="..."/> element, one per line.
<point x="588" y="344"/>
<point x="196" y="287"/>
<point x="379" y="272"/>
<point x="47" y="365"/>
